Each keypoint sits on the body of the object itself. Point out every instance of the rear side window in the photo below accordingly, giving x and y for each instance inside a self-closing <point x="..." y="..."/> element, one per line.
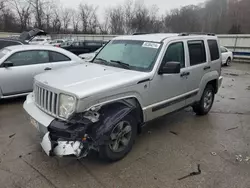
<point x="214" y="49"/>
<point x="197" y="52"/>
<point x="57" y="57"/>
<point x="175" y="52"/>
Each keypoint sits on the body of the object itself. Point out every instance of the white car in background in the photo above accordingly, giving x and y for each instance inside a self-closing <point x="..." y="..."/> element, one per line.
<point x="227" y="56"/>
<point x="19" y="64"/>
<point x="40" y="41"/>
<point x="90" y="56"/>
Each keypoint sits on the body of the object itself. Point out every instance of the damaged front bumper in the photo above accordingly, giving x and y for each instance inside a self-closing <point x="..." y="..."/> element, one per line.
<point x="79" y="134"/>
<point x="58" y="137"/>
<point x="63" y="148"/>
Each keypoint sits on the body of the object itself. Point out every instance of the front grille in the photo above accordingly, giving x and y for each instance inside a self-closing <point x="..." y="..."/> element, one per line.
<point x="46" y="100"/>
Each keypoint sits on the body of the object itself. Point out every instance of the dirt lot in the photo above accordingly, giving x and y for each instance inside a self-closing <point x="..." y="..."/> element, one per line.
<point x="168" y="149"/>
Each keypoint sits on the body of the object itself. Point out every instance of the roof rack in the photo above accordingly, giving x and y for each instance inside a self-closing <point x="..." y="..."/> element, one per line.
<point x="140" y="33"/>
<point x="187" y="34"/>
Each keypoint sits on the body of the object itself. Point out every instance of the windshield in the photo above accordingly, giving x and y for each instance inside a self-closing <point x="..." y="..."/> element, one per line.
<point x="137" y="55"/>
<point x="3" y="52"/>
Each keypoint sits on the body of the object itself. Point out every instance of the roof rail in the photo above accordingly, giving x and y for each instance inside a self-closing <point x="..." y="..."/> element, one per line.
<point x="198" y="33"/>
<point x="140" y="33"/>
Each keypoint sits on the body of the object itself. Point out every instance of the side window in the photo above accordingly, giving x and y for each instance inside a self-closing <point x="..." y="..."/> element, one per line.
<point x="175" y="52"/>
<point x="197" y="52"/>
<point x="57" y="57"/>
<point x="214" y="49"/>
<point x="29" y="58"/>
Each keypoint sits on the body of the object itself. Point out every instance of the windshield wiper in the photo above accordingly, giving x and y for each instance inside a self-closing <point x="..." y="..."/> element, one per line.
<point x="100" y="59"/>
<point x="125" y="65"/>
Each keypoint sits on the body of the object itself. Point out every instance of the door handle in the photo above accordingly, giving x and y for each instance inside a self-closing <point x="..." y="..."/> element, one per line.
<point x="47" y="68"/>
<point x="207" y="67"/>
<point x="185" y="74"/>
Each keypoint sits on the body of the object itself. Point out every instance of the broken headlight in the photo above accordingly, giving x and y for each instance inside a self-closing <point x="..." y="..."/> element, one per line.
<point x="67" y="105"/>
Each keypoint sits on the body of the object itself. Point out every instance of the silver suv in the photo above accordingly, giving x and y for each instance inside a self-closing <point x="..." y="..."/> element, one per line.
<point x="102" y="105"/>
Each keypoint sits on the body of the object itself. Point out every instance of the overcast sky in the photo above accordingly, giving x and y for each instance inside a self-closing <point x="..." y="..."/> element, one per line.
<point x="103" y="4"/>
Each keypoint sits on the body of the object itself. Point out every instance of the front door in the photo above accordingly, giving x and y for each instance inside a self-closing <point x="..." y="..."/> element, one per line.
<point x="167" y="92"/>
<point x="19" y="78"/>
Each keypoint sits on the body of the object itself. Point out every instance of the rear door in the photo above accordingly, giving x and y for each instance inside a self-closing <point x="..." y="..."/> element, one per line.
<point x="26" y="64"/>
<point x="59" y="60"/>
<point x="198" y="66"/>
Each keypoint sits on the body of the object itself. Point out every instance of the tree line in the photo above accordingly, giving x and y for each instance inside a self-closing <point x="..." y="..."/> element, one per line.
<point x="215" y="16"/>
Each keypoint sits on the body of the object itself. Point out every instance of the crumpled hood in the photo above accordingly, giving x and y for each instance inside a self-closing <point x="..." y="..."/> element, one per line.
<point x="88" y="78"/>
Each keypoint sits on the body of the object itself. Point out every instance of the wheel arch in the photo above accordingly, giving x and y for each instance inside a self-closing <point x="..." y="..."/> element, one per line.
<point x="210" y="78"/>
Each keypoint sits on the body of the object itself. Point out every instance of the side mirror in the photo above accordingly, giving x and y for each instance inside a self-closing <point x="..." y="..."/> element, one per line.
<point x="170" y="68"/>
<point x="8" y="64"/>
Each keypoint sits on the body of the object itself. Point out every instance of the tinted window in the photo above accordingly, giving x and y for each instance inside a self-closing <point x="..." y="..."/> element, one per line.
<point x="29" y="57"/>
<point x="214" y="50"/>
<point x="197" y="52"/>
<point x="56" y="57"/>
<point x="175" y="52"/>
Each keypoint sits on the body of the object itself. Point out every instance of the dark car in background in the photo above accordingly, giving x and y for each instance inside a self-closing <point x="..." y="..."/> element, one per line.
<point x="5" y="42"/>
<point x="81" y="47"/>
<point x="24" y="38"/>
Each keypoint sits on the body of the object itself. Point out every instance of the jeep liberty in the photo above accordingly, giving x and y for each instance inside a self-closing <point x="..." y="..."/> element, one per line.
<point x="101" y="105"/>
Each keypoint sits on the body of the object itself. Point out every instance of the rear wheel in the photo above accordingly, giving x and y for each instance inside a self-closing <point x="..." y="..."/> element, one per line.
<point x="122" y="138"/>
<point x="228" y="62"/>
<point x="206" y="102"/>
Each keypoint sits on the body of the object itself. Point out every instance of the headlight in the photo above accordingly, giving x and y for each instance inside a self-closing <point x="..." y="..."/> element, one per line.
<point x="67" y="105"/>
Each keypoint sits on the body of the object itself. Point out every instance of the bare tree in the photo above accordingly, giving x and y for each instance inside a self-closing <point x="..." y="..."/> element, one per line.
<point x="66" y="18"/>
<point x="104" y="27"/>
<point x="56" y="22"/>
<point x="88" y="18"/>
<point x="23" y="10"/>
<point x="75" y="21"/>
<point x="116" y="20"/>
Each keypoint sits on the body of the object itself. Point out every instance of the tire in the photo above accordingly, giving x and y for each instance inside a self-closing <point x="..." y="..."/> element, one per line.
<point x="205" y="104"/>
<point x="228" y="62"/>
<point x="107" y="152"/>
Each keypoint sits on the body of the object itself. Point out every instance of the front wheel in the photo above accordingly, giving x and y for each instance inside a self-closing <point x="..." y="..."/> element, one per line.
<point x="122" y="138"/>
<point x="206" y="102"/>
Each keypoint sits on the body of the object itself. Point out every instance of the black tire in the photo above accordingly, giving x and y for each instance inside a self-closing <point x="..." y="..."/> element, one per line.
<point x="228" y="62"/>
<point x="107" y="154"/>
<point x="199" y="108"/>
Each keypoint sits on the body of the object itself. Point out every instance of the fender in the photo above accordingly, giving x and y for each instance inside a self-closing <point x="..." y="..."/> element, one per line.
<point x="81" y="125"/>
<point x="111" y="115"/>
<point x="214" y="75"/>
